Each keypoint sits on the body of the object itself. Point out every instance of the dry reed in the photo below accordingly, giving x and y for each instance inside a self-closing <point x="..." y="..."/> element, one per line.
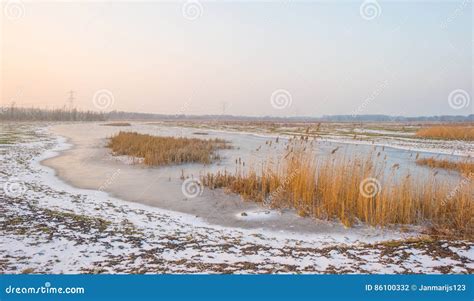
<point x="157" y="150"/>
<point x="353" y="190"/>
<point x="450" y="132"/>
<point x="464" y="167"/>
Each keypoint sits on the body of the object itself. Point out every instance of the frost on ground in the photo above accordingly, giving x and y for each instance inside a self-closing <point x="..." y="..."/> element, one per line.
<point x="349" y="134"/>
<point x="49" y="227"/>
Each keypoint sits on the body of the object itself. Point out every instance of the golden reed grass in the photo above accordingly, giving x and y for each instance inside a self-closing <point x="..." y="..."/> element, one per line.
<point x="464" y="167"/>
<point x="157" y="150"/>
<point x="353" y="190"/>
<point x="450" y="132"/>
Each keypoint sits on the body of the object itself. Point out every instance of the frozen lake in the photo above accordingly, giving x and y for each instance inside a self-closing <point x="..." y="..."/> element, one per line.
<point x="89" y="164"/>
<point x="50" y="226"/>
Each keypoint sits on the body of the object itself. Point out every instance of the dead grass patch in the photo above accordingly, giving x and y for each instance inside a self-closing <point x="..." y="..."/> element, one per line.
<point x="464" y="167"/>
<point x="450" y="132"/>
<point x="157" y="150"/>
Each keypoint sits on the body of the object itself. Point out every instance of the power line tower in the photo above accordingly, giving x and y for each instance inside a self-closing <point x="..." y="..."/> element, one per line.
<point x="71" y="99"/>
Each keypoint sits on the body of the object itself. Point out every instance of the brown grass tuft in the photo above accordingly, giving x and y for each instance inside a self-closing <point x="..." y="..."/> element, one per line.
<point x="341" y="188"/>
<point x="157" y="150"/>
<point x="450" y="132"/>
<point x="464" y="167"/>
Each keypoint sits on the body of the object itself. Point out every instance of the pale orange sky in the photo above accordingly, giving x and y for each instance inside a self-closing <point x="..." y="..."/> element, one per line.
<point x="152" y="57"/>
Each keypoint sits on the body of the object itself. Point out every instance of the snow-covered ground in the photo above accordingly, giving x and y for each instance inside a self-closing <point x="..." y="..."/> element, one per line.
<point x="383" y="138"/>
<point x="48" y="226"/>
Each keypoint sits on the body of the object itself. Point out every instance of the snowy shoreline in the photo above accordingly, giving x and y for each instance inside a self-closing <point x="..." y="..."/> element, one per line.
<point x="52" y="180"/>
<point x="414" y="145"/>
<point x="55" y="228"/>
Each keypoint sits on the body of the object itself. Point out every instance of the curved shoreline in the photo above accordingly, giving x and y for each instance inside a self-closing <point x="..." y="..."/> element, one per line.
<point x="214" y="208"/>
<point x="57" y="228"/>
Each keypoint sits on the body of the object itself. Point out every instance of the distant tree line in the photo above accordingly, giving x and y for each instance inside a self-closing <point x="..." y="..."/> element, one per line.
<point x="387" y="118"/>
<point x="13" y="113"/>
<point x="34" y="114"/>
<point x="117" y="115"/>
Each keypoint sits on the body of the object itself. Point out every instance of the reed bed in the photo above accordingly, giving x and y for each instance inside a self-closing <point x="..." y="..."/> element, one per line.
<point x="464" y="167"/>
<point x="155" y="150"/>
<point x="450" y="132"/>
<point x="353" y="190"/>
